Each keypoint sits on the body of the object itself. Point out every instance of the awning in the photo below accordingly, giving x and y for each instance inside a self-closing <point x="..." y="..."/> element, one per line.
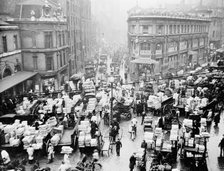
<point x="77" y="76"/>
<point x="144" y="61"/>
<point x="15" y="79"/>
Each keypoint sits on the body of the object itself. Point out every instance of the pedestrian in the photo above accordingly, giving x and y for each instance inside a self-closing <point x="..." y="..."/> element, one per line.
<point x="143" y="117"/>
<point x="50" y="153"/>
<point x="132" y="162"/>
<point x="221" y="145"/>
<point x="118" y="146"/>
<point x="96" y="155"/>
<point x="217" y="119"/>
<point x="139" y="108"/>
<point x="5" y="157"/>
<point x="30" y="151"/>
<point x="114" y="133"/>
<point x="144" y="145"/>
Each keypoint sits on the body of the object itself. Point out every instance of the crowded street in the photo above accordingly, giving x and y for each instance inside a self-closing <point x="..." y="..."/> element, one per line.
<point x="98" y="85"/>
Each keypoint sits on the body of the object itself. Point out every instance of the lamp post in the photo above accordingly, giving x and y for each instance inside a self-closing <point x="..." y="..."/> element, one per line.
<point x="111" y="79"/>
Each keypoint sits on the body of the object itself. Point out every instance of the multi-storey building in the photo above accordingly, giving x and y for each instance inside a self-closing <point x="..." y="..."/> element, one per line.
<point x="44" y="42"/>
<point x="164" y="41"/>
<point x="78" y="13"/>
<point x="13" y="79"/>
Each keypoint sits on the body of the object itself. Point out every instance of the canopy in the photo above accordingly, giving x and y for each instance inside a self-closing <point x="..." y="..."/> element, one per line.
<point x="144" y="61"/>
<point x="77" y="76"/>
<point x="15" y="79"/>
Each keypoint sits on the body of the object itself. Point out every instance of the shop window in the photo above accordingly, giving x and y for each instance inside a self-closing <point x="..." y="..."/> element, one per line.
<point x="49" y="62"/>
<point x="48" y="37"/>
<point x="15" y="41"/>
<point x="145" y="46"/>
<point x="4" y="43"/>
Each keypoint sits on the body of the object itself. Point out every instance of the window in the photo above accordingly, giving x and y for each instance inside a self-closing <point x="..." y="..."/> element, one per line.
<point x="35" y="65"/>
<point x="49" y="62"/>
<point x="48" y="37"/>
<point x="145" y="46"/>
<point x="158" y="46"/>
<point x="4" y="42"/>
<point x="182" y="28"/>
<point x="145" y="29"/>
<point x="63" y="38"/>
<point x="64" y="57"/>
<point x="133" y="29"/>
<point x="34" y="39"/>
<point x="188" y="29"/>
<point x="178" y="29"/>
<point x="170" y="29"/>
<point x="159" y="29"/>
<point x="192" y="28"/>
<point x="60" y="57"/>
<point x="213" y="34"/>
<point x="15" y="39"/>
<point x="174" y="29"/>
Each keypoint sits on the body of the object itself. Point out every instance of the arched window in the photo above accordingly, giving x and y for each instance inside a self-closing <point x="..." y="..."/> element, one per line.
<point x="7" y="72"/>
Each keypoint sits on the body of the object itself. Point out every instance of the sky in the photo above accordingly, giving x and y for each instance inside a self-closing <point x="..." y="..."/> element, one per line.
<point x="112" y="15"/>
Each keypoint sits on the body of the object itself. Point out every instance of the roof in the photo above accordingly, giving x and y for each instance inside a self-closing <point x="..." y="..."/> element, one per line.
<point x="15" y="79"/>
<point x="144" y="61"/>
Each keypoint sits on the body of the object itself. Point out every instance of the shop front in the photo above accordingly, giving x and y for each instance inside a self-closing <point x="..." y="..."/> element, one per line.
<point x="17" y="84"/>
<point x="145" y="68"/>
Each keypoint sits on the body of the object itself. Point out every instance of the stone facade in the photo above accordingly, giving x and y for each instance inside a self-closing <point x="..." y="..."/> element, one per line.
<point x="173" y="42"/>
<point x="44" y="42"/>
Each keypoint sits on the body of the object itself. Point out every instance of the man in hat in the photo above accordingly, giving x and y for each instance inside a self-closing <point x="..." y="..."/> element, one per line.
<point x="132" y="162"/>
<point x="5" y="157"/>
<point x="221" y="145"/>
<point x="118" y="146"/>
<point x="30" y="151"/>
<point x="50" y="153"/>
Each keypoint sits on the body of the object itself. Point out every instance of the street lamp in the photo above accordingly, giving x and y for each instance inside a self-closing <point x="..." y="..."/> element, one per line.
<point x="111" y="80"/>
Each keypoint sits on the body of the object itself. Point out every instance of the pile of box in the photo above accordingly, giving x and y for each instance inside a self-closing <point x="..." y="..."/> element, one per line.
<point x="91" y="105"/>
<point x="174" y="132"/>
<point x="159" y="137"/>
<point x="84" y="134"/>
<point x="149" y="139"/>
<point x="88" y="86"/>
